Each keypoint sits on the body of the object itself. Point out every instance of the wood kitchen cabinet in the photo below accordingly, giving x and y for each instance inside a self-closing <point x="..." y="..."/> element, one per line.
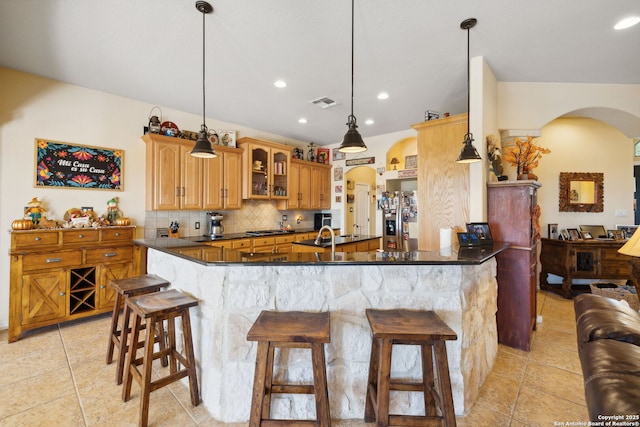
<point x="177" y="180"/>
<point x="310" y="186"/>
<point x="513" y="218"/>
<point x="60" y="275"/>
<point x="266" y="167"/>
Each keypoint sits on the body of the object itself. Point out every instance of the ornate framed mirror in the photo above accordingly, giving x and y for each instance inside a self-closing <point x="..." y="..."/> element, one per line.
<point x="581" y="192"/>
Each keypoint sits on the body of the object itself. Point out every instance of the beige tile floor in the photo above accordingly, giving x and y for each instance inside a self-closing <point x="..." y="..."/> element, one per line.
<point x="58" y="377"/>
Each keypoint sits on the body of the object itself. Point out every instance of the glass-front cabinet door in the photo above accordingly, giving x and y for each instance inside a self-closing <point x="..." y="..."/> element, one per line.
<point x="266" y="166"/>
<point x="280" y="174"/>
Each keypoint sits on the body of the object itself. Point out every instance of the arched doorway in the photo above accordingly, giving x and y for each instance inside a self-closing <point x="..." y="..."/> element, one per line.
<point x="360" y="201"/>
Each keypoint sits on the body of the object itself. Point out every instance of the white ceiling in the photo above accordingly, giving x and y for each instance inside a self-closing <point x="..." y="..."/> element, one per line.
<point x="151" y="50"/>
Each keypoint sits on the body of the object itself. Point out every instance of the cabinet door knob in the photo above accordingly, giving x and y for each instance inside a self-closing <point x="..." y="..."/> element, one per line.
<point x="37" y="239"/>
<point x="50" y="260"/>
<point x="102" y="286"/>
<point x="80" y="236"/>
<point x="61" y="294"/>
<point x="117" y="234"/>
<point x="110" y="254"/>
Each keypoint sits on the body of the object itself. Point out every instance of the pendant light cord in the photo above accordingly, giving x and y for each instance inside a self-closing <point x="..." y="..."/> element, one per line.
<point x="352" y="36"/>
<point x="203" y="72"/>
<point x="468" y="80"/>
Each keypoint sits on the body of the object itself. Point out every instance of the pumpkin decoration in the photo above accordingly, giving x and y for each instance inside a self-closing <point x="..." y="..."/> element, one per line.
<point x="122" y="221"/>
<point x="22" y="224"/>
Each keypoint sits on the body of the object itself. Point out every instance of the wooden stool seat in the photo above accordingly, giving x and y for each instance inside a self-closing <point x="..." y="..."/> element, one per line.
<point x="293" y="329"/>
<point x="409" y="327"/>
<point x="125" y="288"/>
<point x="152" y="309"/>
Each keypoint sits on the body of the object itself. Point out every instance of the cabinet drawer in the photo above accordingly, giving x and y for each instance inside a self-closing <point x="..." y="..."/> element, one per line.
<point x="264" y="241"/>
<point x="117" y="254"/>
<point x="241" y="243"/>
<point x="79" y="236"/>
<point x="51" y="260"/>
<point x="285" y="239"/>
<point x="24" y="240"/>
<point x="116" y="234"/>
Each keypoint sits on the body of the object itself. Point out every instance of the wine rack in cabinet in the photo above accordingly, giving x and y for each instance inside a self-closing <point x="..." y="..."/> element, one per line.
<point x="60" y="275"/>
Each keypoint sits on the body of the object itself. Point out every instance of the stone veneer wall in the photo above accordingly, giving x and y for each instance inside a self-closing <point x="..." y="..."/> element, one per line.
<point x="231" y="297"/>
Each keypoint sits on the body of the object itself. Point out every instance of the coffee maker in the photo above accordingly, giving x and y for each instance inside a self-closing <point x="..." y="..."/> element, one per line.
<point x="214" y="225"/>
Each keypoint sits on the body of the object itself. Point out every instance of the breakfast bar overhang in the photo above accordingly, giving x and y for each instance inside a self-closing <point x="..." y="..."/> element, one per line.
<point x="460" y="286"/>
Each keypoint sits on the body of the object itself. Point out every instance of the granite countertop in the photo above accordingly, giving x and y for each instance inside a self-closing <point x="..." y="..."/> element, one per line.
<point x="325" y="242"/>
<point x="212" y="256"/>
<point x="233" y="236"/>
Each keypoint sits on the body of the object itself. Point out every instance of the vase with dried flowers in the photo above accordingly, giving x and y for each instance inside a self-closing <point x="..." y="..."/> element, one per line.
<point x="525" y="155"/>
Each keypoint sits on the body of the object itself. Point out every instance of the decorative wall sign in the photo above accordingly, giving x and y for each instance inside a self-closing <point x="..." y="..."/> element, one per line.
<point x="362" y="161"/>
<point x="411" y="162"/>
<point x="60" y="164"/>
<point x="338" y="155"/>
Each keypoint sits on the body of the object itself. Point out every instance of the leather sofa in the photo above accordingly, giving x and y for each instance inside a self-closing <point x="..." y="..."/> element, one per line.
<point x="609" y="348"/>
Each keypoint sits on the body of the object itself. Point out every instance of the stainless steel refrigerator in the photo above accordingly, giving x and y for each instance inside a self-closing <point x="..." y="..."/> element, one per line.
<point x="399" y="221"/>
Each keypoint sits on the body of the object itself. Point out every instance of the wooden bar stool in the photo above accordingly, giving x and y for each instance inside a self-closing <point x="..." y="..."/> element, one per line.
<point x="292" y="329"/>
<point x="410" y="327"/>
<point x="125" y="288"/>
<point x="154" y="308"/>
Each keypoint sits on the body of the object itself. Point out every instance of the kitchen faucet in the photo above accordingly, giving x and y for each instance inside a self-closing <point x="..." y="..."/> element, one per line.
<point x="333" y="239"/>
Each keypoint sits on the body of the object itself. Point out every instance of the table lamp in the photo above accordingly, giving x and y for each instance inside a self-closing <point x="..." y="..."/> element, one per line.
<point x="394" y="162"/>
<point x="632" y="248"/>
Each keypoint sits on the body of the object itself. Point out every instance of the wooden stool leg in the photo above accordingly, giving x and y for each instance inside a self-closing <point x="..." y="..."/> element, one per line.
<point x="113" y="333"/>
<point x="320" y="384"/>
<point x="258" y="384"/>
<point x="268" y="382"/>
<point x="171" y="338"/>
<point x="124" y="345"/>
<point x="372" y="383"/>
<point x="428" y="380"/>
<point x="162" y="343"/>
<point x="191" y="360"/>
<point x="131" y="357"/>
<point x="445" y="384"/>
<point x="145" y="381"/>
<point x="384" y="378"/>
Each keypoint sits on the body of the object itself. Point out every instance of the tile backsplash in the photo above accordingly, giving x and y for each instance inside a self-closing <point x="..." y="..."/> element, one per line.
<point x="254" y="215"/>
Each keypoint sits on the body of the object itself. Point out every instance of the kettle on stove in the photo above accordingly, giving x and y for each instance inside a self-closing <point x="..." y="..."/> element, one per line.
<point x="214" y="225"/>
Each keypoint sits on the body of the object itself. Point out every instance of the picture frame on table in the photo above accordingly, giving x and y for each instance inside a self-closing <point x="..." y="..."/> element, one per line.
<point x="552" y="229"/>
<point x="627" y="230"/>
<point x="564" y="235"/>
<point x="482" y="230"/>
<point x="574" y="234"/>
<point x="615" y="234"/>
<point x="586" y="235"/>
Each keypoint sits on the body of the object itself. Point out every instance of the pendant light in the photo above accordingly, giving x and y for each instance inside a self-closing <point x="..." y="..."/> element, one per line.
<point x="469" y="154"/>
<point x="352" y="142"/>
<point x="203" y="147"/>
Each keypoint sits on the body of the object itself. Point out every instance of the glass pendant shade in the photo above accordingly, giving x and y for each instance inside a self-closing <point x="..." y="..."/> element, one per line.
<point x="352" y="142"/>
<point x="469" y="154"/>
<point x="203" y="147"/>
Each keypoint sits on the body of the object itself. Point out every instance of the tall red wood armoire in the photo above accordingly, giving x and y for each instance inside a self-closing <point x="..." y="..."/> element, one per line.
<point x="513" y="217"/>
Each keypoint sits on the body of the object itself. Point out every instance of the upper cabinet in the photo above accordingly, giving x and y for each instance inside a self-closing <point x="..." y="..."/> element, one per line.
<point x="176" y="180"/>
<point x="266" y="169"/>
<point x="309" y="186"/>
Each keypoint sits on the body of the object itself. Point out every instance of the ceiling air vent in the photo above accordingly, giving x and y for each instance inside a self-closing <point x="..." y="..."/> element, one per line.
<point x="324" y="102"/>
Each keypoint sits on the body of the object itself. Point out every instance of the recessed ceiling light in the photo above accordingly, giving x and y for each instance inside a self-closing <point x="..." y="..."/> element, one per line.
<point x="280" y="84"/>
<point x="627" y="22"/>
<point x="369" y="122"/>
<point x="383" y="95"/>
<point x="302" y="120"/>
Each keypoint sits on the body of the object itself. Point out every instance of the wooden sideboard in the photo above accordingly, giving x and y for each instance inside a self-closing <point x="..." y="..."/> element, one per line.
<point x="60" y="275"/>
<point x="581" y="259"/>
<point x="513" y="218"/>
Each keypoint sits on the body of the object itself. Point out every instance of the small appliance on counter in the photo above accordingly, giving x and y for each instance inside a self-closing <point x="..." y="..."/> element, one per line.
<point x="321" y="219"/>
<point x="214" y="225"/>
